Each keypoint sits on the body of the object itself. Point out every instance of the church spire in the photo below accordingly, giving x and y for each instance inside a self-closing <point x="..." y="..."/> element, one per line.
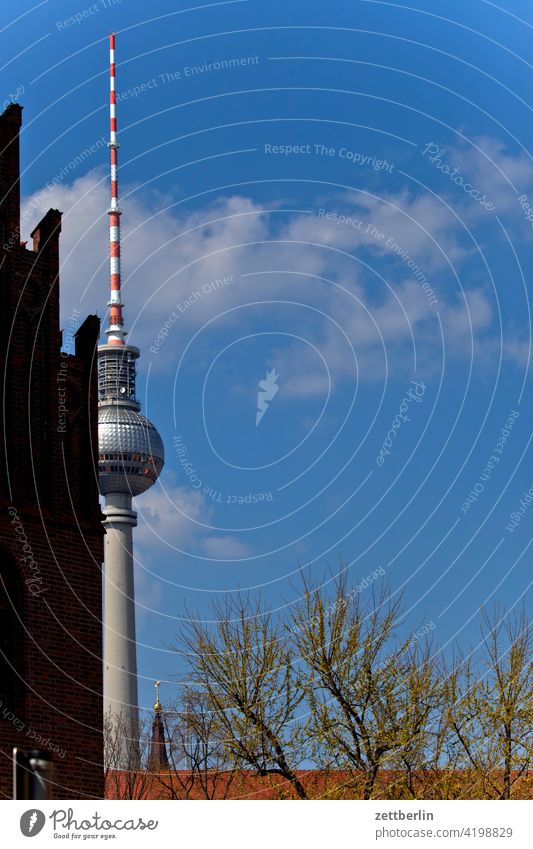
<point x="158" y="758"/>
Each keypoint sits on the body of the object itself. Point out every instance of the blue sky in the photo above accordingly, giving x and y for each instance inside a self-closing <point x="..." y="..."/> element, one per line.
<point x="338" y="192"/>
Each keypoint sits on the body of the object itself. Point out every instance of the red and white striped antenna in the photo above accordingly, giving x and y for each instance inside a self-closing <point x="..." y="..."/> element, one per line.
<point x="115" y="332"/>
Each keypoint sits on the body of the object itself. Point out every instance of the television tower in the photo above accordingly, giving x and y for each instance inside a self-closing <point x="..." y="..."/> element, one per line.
<point x="130" y="459"/>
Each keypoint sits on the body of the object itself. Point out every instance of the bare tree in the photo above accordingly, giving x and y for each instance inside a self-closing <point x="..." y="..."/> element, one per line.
<point x="198" y="766"/>
<point x="244" y="667"/>
<point x="418" y="700"/>
<point x="435" y="769"/>
<point x="492" y="707"/>
<point x="366" y="692"/>
<point x="130" y="780"/>
<point x="339" y="687"/>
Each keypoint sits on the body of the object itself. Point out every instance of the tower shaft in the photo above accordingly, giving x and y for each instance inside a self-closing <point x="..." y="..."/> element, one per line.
<point x="120" y="660"/>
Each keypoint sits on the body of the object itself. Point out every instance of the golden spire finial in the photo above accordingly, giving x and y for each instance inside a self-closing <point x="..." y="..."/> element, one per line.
<point x="157" y="705"/>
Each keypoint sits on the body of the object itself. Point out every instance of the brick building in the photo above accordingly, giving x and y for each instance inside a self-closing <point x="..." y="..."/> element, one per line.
<point x="51" y="547"/>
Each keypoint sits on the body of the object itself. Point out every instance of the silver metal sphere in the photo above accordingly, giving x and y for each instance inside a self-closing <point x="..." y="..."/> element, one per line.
<point x="130" y="450"/>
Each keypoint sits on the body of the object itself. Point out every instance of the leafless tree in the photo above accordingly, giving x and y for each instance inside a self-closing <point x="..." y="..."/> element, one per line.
<point x="371" y="695"/>
<point x="126" y="779"/>
<point x="198" y="766"/>
<point x="339" y="687"/>
<point x="492" y="706"/>
<point x="244" y="667"/>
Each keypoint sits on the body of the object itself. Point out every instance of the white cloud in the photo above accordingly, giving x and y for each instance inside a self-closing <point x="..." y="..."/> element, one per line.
<point x="169" y="254"/>
<point x="180" y="518"/>
<point x="420" y="226"/>
<point x="171" y="515"/>
<point x="519" y="351"/>
<point x="226" y="548"/>
<point x="489" y="166"/>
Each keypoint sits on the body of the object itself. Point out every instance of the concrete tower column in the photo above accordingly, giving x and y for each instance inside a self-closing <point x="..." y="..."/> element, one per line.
<point x="120" y="660"/>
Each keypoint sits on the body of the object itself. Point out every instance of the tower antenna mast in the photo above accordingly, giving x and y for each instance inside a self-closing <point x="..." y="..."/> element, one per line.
<point x="115" y="332"/>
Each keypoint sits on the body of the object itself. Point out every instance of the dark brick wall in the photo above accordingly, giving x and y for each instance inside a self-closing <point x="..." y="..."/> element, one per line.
<point x="51" y="537"/>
